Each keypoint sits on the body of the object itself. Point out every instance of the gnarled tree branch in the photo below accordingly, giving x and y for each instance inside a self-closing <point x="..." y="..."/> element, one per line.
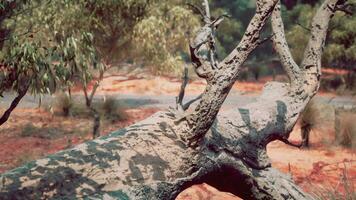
<point x="221" y="78"/>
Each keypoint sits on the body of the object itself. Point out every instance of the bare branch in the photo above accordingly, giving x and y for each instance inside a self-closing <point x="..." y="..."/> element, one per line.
<point x="197" y="10"/>
<point x="304" y="27"/>
<point x="187" y="105"/>
<point x="311" y="63"/>
<point x="346" y="8"/>
<point x="18" y="35"/>
<point x="207" y="11"/>
<point x="281" y="46"/>
<point x="202" y="66"/>
<point x="287" y="142"/>
<point x="266" y="39"/>
<point x="220" y="76"/>
<point x="250" y="39"/>
<point x="180" y="97"/>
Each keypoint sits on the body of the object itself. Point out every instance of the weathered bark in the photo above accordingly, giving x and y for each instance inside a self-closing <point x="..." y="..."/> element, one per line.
<point x="220" y="76"/>
<point x="149" y="161"/>
<point x="172" y="150"/>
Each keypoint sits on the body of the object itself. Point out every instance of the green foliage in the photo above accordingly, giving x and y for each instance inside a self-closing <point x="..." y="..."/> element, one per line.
<point x="112" y="23"/>
<point x="340" y="49"/>
<point x="163" y="35"/>
<point x="228" y="34"/>
<point x="53" y="51"/>
<point x="55" y="43"/>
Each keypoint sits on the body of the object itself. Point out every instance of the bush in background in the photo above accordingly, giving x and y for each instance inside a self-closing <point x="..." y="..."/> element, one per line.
<point x="345" y="128"/>
<point x="65" y="106"/>
<point x="332" y="83"/>
<point x="112" y="110"/>
<point x="309" y="120"/>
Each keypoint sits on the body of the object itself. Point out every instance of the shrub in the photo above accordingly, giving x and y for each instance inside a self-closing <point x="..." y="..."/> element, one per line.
<point x="28" y="130"/>
<point x="64" y="104"/>
<point x="256" y="71"/>
<point x="345" y="129"/>
<point x="243" y="76"/>
<point x="350" y="80"/>
<point x="311" y="113"/>
<point x="309" y="120"/>
<point x="112" y="110"/>
<point x="333" y="83"/>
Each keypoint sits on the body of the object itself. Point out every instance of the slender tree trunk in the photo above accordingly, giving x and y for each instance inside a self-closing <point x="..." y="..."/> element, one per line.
<point x="159" y="157"/>
<point x="21" y="93"/>
<point x="93" y="111"/>
<point x="96" y="124"/>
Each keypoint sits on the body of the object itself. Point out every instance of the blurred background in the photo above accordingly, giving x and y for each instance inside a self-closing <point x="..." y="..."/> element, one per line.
<point x="72" y="70"/>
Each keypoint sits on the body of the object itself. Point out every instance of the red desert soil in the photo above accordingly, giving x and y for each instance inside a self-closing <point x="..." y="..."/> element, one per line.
<point x="320" y="166"/>
<point x="121" y="84"/>
<point x="159" y="85"/>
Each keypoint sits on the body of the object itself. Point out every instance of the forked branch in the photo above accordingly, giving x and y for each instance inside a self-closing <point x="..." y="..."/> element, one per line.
<point x="219" y="76"/>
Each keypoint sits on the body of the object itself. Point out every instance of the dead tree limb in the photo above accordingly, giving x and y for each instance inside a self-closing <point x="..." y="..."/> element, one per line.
<point x="161" y="156"/>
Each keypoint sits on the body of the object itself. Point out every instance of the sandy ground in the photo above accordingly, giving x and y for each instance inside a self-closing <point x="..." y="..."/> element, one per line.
<point x="322" y="166"/>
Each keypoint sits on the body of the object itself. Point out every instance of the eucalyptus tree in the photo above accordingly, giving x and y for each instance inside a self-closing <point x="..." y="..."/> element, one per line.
<point x="159" y="157"/>
<point x="161" y="38"/>
<point x="42" y="53"/>
<point x="51" y="44"/>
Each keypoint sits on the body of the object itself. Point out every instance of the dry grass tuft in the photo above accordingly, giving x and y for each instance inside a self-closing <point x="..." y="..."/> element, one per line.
<point x="346" y="129"/>
<point x="112" y="110"/>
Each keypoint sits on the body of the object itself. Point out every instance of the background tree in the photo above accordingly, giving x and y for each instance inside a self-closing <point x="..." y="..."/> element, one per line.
<point x="161" y="38"/>
<point x="49" y="53"/>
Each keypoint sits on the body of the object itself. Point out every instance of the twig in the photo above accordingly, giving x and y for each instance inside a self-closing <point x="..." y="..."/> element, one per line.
<point x="197" y="10"/>
<point x="186" y="105"/>
<point x="304" y="27"/>
<point x="185" y="80"/>
<point x="287" y="142"/>
<point x="346" y="8"/>
<point x="261" y="41"/>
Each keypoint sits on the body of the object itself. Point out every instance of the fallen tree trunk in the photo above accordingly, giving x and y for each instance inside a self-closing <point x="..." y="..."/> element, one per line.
<point x="175" y="149"/>
<point x="148" y="161"/>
